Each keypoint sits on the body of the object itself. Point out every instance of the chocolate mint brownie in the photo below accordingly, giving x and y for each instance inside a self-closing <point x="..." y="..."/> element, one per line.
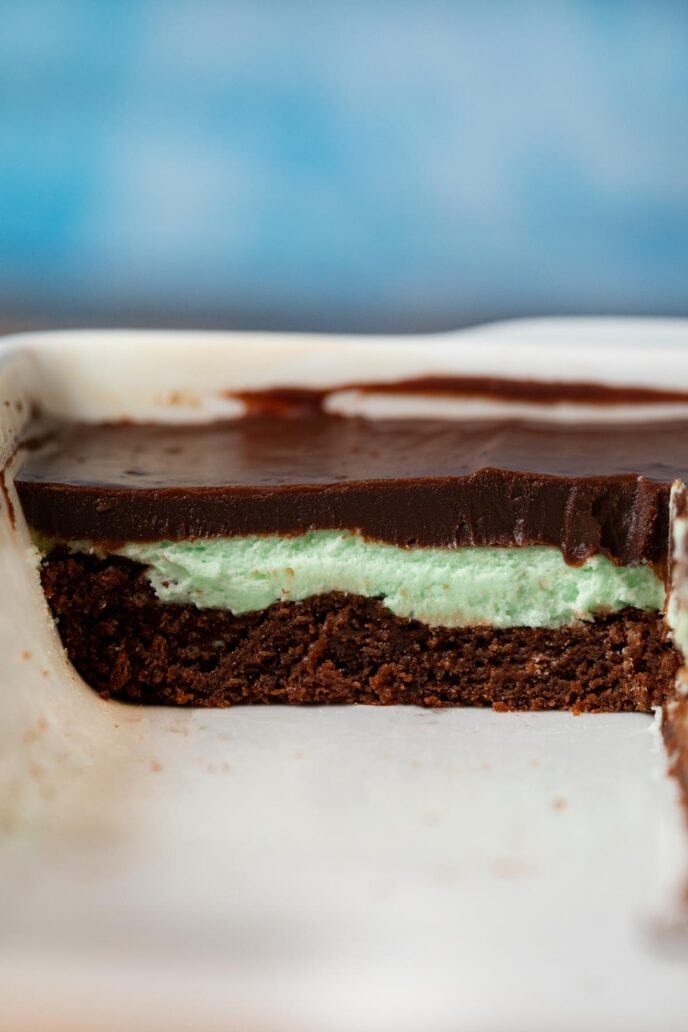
<point x="294" y="555"/>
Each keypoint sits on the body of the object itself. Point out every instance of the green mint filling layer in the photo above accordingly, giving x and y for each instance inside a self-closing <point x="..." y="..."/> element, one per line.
<point x="530" y="586"/>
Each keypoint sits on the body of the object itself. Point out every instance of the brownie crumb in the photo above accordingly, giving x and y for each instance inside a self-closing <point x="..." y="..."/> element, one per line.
<point x="339" y="648"/>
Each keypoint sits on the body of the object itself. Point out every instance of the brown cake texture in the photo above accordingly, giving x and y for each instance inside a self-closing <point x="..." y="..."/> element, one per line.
<point x="339" y="648"/>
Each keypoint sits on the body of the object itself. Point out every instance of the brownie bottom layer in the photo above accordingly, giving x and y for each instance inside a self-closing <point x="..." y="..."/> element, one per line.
<point x="338" y="648"/>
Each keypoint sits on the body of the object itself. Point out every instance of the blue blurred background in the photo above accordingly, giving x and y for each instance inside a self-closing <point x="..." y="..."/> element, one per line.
<point x="343" y="164"/>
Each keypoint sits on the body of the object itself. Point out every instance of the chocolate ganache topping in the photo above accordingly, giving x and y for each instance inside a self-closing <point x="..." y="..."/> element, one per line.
<point x="584" y="488"/>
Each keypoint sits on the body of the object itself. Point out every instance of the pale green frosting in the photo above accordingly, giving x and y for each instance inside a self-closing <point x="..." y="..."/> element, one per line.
<point x="530" y="586"/>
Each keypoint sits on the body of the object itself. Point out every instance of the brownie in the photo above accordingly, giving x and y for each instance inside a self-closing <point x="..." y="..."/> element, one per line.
<point x="288" y="467"/>
<point x="338" y="648"/>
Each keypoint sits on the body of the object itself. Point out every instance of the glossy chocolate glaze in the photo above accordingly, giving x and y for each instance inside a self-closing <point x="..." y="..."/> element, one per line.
<point x="583" y="488"/>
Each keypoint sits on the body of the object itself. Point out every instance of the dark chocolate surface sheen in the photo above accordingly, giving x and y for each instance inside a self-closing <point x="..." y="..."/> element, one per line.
<point x="585" y="488"/>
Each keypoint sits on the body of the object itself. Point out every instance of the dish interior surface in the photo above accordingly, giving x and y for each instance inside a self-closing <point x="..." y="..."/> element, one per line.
<point x="328" y="867"/>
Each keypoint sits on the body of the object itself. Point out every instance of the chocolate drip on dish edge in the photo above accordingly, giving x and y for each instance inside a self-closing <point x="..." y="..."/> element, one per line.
<point x="426" y="482"/>
<point x="293" y="401"/>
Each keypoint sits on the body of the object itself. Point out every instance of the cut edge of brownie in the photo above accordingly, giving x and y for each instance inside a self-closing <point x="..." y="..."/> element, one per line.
<point x="338" y="648"/>
<point x="674" y="727"/>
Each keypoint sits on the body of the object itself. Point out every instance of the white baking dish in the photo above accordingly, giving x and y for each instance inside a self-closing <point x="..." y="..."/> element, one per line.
<point x="334" y="868"/>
